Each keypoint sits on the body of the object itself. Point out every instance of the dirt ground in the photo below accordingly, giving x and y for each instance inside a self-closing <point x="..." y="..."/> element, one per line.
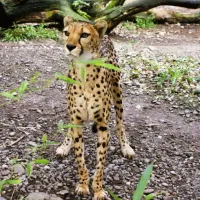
<point x="157" y="130"/>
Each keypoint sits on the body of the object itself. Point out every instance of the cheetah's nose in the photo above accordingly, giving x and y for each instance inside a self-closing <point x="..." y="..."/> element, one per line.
<point x="71" y="47"/>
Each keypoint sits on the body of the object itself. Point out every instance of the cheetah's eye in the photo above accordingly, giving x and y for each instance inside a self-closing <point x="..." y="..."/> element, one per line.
<point x="84" y="35"/>
<point x="66" y="33"/>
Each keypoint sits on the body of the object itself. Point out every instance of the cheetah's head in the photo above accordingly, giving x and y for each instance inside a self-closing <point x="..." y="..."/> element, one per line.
<point x="82" y="39"/>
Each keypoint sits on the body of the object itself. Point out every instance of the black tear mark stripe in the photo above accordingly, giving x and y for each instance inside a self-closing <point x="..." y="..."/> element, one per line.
<point x="79" y="41"/>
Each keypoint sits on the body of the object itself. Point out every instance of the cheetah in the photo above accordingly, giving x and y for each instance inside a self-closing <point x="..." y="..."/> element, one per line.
<point x="92" y="99"/>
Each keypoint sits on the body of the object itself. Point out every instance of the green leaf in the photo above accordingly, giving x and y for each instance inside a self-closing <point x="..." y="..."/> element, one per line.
<point x="8" y="95"/>
<point x="66" y="79"/>
<point x="114" y="196"/>
<point x="100" y="62"/>
<point x="60" y="125"/>
<point x="72" y="126"/>
<point x="13" y="182"/>
<point x="2" y="183"/>
<point x="197" y="78"/>
<point x="44" y="138"/>
<point x="29" y="168"/>
<point x="83" y="73"/>
<point x="22" y="88"/>
<point x="14" y="160"/>
<point x="33" y="78"/>
<point x="151" y="196"/>
<point x="143" y="183"/>
<point x="41" y="161"/>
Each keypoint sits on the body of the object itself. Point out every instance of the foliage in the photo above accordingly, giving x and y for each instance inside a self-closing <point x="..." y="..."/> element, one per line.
<point x="171" y="75"/>
<point x="143" y="183"/>
<point x="29" y="169"/>
<point x="45" y="143"/>
<point x="62" y="126"/>
<point x="100" y="62"/>
<point x="128" y="25"/>
<point x="145" y="22"/>
<point x="66" y="79"/>
<point x="5" y="182"/>
<point x="17" y="93"/>
<point x="140" y="187"/>
<point x="30" y="165"/>
<point x="18" y="33"/>
<point x="20" y="91"/>
<point x="176" y="72"/>
<point x="78" y="5"/>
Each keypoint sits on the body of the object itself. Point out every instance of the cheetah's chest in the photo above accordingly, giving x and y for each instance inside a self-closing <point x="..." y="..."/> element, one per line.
<point x="91" y="94"/>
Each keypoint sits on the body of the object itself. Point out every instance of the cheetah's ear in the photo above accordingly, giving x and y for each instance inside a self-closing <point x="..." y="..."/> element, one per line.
<point x="101" y="27"/>
<point x="67" y="20"/>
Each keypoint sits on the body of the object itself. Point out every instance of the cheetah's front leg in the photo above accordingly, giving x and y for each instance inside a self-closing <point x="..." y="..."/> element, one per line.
<point x="117" y="97"/>
<point x="64" y="149"/>
<point x="102" y="145"/>
<point x="82" y="187"/>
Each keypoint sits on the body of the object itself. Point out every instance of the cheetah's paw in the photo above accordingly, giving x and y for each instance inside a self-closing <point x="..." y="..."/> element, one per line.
<point x="63" y="150"/>
<point x="128" y="151"/>
<point x="101" y="195"/>
<point x="82" y="189"/>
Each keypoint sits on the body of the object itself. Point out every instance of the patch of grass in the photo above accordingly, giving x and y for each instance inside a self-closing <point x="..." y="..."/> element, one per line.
<point x="6" y="182"/>
<point x="78" y="5"/>
<point x="128" y="25"/>
<point x="145" y="21"/>
<point x="176" y="73"/>
<point x="18" y="33"/>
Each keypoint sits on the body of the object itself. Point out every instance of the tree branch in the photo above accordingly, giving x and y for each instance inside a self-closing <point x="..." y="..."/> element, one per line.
<point x="123" y="12"/>
<point x="14" y="10"/>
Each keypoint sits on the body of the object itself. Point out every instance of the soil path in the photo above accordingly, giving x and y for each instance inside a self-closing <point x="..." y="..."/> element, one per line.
<point x="157" y="131"/>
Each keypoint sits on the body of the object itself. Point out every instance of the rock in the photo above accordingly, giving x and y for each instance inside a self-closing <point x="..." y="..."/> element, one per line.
<point x="148" y="191"/>
<point x="146" y="160"/>
<point x="38" y="196"/>
<point x="54" y="197"/>
<point x="12" y="134"/>
<point x="42" y="196"/>
<point x="151" y="48"/>
<point x="1" y="198"/>
<point x="112" y="148"/>
<point x="165" y="184"/>
<point x="32" y="144"/>
<point x="18" y="169"/>
<point x="168" y="198"/>
<point x="46" y="167"/>
<point x="63" y="192"/>
<point x="195" y="112"/>
<point x="5" y="172"/>
<point x="162" y="33"/>
<point x="136" y="83"/>
<point x="4" y="166"/>
<point x="197" y="90"/>
<point x="117" y="187"/>
<point x="116" y="177"/>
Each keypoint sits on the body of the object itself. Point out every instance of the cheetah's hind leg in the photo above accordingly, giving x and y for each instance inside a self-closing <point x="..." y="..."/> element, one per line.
<point x="64" y="149"/>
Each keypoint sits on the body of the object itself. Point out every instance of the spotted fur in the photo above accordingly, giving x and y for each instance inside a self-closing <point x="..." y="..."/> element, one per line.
<point x="92" y="99"/>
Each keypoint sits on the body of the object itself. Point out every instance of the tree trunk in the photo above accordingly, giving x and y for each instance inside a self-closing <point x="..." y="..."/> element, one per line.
<point x="171" y="14"/>
<point x="112" y="11"/>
